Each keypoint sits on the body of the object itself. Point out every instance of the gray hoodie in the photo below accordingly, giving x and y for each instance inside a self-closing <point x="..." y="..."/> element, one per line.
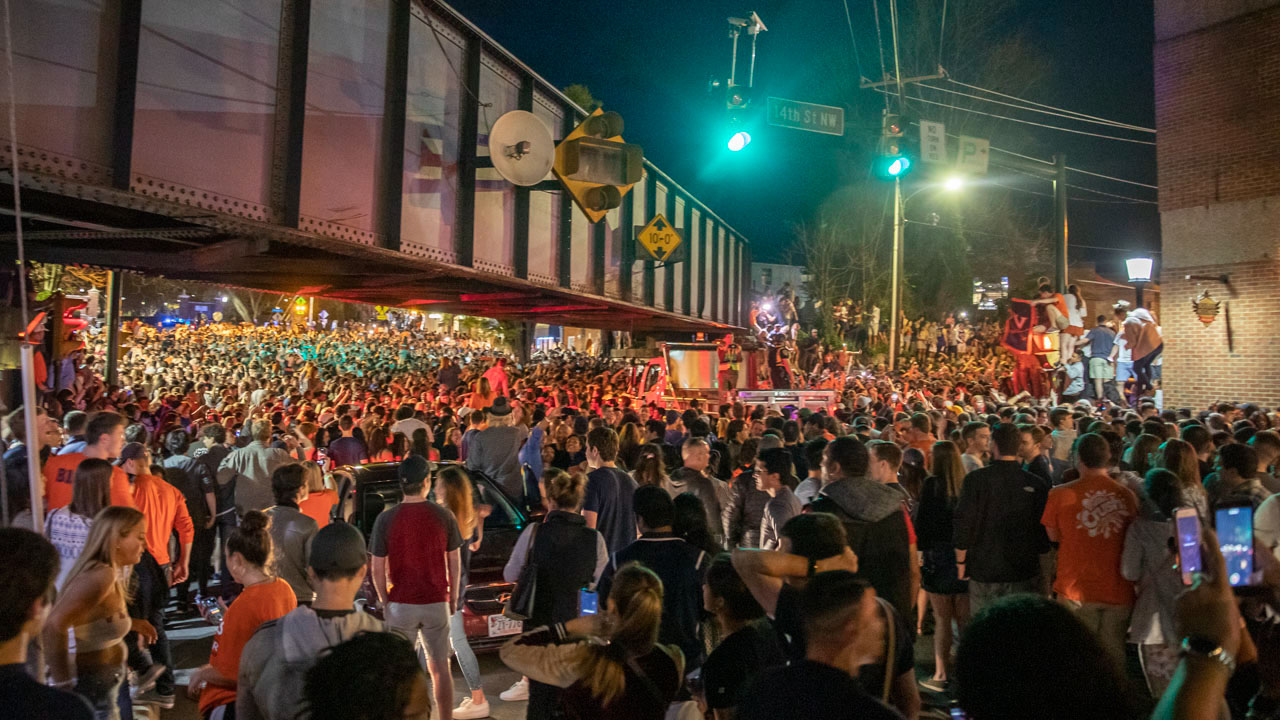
<point x="864" y="499"/>
<point x="277" y="657"/>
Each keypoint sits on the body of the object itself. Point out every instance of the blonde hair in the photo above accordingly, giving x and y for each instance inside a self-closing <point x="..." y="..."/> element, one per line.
<point x="563" y="489"/>
<point x="457" y="498"/>
<point x="109" y="526"/>
<point x="314" y="475"/>
<point x="637" y="594"/>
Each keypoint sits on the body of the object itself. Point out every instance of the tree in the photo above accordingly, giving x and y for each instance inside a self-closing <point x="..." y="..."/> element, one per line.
<point x="581" y="95"/>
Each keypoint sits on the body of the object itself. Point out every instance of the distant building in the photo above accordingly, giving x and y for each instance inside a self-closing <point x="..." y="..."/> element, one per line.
<point x="1100" y="293"/>
<point x="768" y="278"/>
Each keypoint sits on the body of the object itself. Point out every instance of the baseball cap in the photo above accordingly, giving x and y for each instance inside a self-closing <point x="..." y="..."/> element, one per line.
<point x="131" y="451"/>
<point x="337" y="548"/>
<point x="414" y="469"/>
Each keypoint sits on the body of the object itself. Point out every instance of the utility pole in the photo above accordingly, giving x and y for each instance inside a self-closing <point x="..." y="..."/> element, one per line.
<point x="1060" y="222"/>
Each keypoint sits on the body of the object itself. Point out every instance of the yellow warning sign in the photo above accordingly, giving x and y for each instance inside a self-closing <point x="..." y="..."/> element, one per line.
<point x="659" y="238"/>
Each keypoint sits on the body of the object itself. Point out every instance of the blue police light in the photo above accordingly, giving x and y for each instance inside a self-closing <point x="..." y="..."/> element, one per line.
<point x="739" y="140"/>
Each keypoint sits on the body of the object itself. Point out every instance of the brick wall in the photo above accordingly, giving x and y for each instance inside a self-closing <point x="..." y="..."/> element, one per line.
<point x="1218" y="112"/>
<point x="1200" y="366"/>
<point x="1217" y="84"/>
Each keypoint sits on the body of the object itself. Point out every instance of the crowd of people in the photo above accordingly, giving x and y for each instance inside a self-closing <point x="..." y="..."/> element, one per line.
<point x="741" y="562"/>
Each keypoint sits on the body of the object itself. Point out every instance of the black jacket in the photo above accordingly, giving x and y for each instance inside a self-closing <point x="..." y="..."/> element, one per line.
<point x="744" y="512"/>
<point x="681" y="567"/>
<point x="998" y="522"/>
<point x="564" y="549"/>
<point x="876" y="522"/>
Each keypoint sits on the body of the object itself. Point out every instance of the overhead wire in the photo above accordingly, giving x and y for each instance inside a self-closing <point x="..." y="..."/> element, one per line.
<point x="1108" y="123"/>
<point x="942" y="31"/>
<point x="875" y="9"/>
<point x="848" y="18"/>
<point x="1043" y="105"/>
<point x="1026" y="122"/>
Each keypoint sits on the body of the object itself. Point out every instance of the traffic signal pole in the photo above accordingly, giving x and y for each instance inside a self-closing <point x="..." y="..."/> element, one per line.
<point x="895" y="288"/>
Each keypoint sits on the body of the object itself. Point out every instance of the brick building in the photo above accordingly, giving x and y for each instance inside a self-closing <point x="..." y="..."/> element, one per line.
<point x="1217" y="85"/>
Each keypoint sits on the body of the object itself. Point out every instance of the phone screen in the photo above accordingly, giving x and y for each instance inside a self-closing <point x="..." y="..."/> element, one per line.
<point x="588" y="601"/>
<point x="1187" y="525"/>
<point x="1235" y="538"/>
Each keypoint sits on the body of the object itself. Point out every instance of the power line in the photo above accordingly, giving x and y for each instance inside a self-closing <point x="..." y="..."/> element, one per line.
<point x="849" y="19"/>
<point x="1108" y="177"/>
<point x="942" y="31"/>
<point x="1051" y="107"/>
<point x="1107" y="194"/>
<point x="1067" y="116"/>
<point x="1027" y="122"/>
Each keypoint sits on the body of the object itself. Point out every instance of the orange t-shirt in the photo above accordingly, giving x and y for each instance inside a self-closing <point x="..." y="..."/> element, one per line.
<point x="1091" y="516"/>
<point x="59" y="478"/>
<point x="256" y="605"/>
<point x="317" y="506"/>
<point x="166" y="511"/>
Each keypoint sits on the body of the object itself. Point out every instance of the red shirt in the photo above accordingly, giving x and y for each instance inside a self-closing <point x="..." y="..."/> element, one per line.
<point x="415" y="538"/>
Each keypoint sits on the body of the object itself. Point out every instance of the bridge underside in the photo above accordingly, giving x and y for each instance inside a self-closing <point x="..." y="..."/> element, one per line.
<point x="67" y="223"/>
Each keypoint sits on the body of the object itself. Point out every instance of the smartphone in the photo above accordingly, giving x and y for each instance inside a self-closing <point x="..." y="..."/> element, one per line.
<point x="957" y="712"/>
<point x="588" y="602"/>
<point x="1234" y="524"/>
<point x="1186" y="524"/>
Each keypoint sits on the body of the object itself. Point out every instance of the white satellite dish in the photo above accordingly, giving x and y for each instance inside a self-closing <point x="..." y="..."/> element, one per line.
<point x="521" y="148"/>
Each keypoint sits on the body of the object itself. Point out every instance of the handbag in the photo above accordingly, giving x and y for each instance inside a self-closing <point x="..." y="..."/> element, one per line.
<point x="520" y="605"/>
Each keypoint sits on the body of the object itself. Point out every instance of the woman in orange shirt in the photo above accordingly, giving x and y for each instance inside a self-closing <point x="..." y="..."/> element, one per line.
<point x="320" y="499"/>
<point x="264" y="598"/>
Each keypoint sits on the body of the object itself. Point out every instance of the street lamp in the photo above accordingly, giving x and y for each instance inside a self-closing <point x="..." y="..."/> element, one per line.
<point x="1139" y="274"/>
<point x="952" y="184"/>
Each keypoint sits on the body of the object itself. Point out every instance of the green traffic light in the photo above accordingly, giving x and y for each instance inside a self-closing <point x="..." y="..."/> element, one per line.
<point x="898" y="167"/>
<point x="739" y="140"/>
<point x="891" y="166"/>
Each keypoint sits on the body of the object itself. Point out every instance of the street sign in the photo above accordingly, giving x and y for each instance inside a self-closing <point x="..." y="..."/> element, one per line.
<point x="804" y="116"/>
<point x="933" y="142"/>
<point x="973" y="155"/>
<point x="659" y="239"/>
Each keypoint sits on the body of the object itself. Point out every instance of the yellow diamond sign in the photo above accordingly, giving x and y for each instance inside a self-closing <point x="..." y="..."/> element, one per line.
<point x="659" y="238"/>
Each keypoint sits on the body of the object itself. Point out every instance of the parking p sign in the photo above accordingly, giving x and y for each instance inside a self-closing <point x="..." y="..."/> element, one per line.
<point x="973" y="155"/>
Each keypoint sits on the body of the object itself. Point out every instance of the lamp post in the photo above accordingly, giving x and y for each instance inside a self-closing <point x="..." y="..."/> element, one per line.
<point x="951" y="184"/>
<point x="1139" y="274"/>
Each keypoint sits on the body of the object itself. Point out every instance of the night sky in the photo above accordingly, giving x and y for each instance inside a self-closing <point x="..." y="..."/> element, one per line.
<point x="651" y="61"/>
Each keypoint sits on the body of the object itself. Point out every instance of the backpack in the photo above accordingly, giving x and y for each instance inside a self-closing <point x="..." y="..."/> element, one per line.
<point x="883" y="550"/>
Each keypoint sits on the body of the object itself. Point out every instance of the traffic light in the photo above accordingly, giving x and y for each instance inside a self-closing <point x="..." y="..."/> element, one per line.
<point x="596" y="166"/>
<point x="893" y="160"/>
<point x="737" y="101"/>
<point x="67" y="325"/>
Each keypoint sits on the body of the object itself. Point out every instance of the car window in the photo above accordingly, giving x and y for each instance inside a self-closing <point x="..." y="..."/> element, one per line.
<point x="503" y="514"/>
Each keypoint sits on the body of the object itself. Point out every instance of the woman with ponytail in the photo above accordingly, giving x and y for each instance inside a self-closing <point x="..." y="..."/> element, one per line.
<point x="264" y="598"/>
<point x="609" y="664"/>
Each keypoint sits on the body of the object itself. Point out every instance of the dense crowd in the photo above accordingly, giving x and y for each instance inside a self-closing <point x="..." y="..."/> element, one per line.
<point x="743" y="562"/>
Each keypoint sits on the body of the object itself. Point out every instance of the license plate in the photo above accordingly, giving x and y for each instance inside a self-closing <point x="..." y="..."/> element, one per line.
<point x="500" y="625"/>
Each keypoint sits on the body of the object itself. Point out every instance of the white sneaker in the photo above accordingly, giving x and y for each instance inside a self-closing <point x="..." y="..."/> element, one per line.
<point x="469" y="710"/>
<point x="517" y="692"/>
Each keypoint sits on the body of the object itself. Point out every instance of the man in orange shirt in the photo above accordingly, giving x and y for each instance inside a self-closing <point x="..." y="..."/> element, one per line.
<point x="1088" y="519"/>
<point x="103" y="436"/>
<point x="166" y="512"/>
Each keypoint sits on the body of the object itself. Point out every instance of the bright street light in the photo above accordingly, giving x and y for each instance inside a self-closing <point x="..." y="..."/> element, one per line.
<point x="1139" y="269"/>
<point x="954" y="183"/>
<point x="738" y="141"/>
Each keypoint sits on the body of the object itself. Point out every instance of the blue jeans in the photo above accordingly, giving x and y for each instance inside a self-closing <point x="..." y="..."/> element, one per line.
<point x="102" y="687"/>
<point x="462" y="650"/>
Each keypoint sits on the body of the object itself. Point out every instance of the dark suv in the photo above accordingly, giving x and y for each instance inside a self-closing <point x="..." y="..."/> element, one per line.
<point x="377" y="487"/>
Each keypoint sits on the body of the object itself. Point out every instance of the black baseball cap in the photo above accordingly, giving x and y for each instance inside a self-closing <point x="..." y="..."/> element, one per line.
<point x="131" y="451"/>
<point x="338" y="548"/>
<point x="414" y="469"/>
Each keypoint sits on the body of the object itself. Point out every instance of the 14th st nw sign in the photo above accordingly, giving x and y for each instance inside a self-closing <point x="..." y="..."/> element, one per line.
<point x="804" y="116"/>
